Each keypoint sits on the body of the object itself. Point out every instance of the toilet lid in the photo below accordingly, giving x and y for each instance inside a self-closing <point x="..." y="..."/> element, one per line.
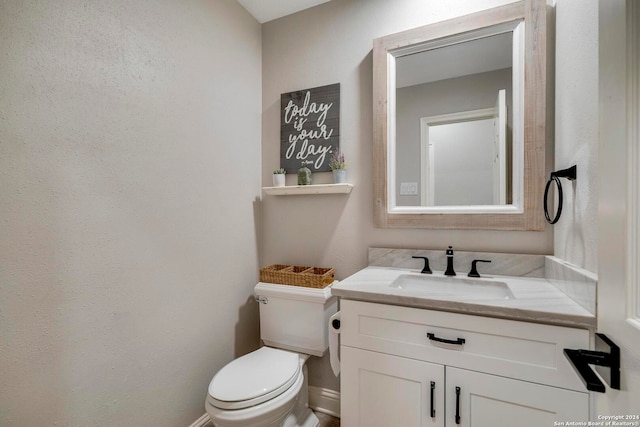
<point x="254" y="378"/>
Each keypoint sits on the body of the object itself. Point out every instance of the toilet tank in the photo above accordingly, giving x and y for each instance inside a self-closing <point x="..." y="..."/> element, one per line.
<point x="295" y="318"/>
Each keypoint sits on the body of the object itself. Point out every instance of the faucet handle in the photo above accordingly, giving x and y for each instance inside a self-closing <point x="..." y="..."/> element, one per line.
<point x="426" y="269"/>
<point x="474" y="269"/>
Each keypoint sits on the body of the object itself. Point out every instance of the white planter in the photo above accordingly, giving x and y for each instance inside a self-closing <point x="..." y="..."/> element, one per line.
<point x="278" y="179"/>
<point x="339" y="176"/>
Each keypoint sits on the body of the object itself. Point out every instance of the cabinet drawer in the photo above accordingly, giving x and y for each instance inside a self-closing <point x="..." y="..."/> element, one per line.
<point x="527" y="351"/>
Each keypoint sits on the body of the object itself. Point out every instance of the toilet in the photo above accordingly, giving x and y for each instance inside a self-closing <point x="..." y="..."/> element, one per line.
<point x="268" y="387"/>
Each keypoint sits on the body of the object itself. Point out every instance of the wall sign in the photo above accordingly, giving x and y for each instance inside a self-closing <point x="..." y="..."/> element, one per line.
<point x="309" y="127"/>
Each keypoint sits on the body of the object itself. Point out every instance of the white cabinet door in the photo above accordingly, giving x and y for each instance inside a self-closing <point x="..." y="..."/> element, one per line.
<point x="380" y="390"/>
<point x="491" y="401"/>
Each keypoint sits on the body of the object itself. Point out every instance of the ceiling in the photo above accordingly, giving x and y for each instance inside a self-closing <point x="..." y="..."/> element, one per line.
<point x="268" y="10"/>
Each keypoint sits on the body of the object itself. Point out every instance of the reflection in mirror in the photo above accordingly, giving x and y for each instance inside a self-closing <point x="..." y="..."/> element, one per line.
<point x="454" y="136"/>
<point x="461" y="169"/>
<point x="453" y="133"/>
<point x="464" y="158"/>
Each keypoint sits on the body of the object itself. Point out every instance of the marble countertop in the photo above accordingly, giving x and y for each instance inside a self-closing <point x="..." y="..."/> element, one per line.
<point x="536" y="300"/>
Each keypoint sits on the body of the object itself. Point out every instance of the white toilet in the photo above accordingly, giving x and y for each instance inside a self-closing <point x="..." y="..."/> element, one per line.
<point x="268" y="387"/>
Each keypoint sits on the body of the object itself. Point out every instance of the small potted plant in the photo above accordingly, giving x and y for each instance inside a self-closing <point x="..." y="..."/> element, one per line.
<point x="338" y="166"/>
<point x="278" y="177"/>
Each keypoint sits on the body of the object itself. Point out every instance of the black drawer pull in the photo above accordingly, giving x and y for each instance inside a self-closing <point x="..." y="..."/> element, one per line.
<point x="433" y="337"/>
<point x="457" y="405"/>
<point x="433" y="410"/>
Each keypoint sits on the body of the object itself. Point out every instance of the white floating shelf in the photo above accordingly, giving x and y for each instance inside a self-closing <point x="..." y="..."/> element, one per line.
<point x="293" y="190"/>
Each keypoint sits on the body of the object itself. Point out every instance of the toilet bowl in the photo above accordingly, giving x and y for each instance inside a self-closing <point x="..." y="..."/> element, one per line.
<point x="268" y="387"/>
<point x="261" y="388"/>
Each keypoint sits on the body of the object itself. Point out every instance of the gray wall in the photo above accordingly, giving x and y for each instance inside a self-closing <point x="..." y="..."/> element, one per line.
<point x="127" y="261"/>
<point x="328" y="44"/>
<point x="129" y="173"/>
<point x="576" y="234"/>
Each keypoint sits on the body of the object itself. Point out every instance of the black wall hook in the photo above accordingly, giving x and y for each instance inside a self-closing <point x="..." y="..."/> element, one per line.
<point x="570" y="174"/>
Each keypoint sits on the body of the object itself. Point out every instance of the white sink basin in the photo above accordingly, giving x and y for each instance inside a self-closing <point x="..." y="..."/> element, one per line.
<point x="436" y="287"/>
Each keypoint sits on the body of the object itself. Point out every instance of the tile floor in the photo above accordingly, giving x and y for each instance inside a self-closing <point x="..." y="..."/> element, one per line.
<point x="328" y="420"/>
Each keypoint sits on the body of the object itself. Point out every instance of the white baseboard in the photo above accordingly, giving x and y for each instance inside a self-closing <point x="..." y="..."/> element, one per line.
<point x="324" y="400"/>
<point x="203" y="421"/>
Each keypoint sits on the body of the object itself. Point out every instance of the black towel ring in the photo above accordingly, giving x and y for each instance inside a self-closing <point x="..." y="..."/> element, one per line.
<point x="570" y="174"/>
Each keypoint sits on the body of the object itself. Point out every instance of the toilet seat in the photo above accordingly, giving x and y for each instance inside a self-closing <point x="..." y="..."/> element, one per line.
<point x="254" y="378"/>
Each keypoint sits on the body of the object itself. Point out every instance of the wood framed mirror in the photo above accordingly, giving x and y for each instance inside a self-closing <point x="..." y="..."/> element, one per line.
<point x="486" y="71"/>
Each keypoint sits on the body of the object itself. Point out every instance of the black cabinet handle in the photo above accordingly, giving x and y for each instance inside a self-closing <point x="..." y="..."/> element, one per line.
<point x="433" y="410"/>
<point x="433" y="337"/>
<point x="457" y="405"/>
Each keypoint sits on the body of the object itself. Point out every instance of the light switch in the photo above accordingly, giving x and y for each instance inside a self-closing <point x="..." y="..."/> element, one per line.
<point x="408" y="188"/>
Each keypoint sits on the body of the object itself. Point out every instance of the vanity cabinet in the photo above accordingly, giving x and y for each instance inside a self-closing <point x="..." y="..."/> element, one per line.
<point x="498" y="372"/>
<point x="384" y="390"/>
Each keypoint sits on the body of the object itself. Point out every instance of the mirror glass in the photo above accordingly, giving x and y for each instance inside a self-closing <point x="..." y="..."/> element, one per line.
<point x="453" y="127"/>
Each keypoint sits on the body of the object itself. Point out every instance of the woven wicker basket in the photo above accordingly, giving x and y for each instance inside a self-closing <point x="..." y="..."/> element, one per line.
<point x="297" y="275"/>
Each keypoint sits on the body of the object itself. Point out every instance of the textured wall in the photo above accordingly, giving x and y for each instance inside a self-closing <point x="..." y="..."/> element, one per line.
<point x="332" y="43"/>
<point x="129" y="167"/>
<point x="576" y="234"/>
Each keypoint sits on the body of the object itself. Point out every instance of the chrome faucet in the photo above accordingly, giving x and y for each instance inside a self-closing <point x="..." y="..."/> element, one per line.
<point x="450" y="271"/>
